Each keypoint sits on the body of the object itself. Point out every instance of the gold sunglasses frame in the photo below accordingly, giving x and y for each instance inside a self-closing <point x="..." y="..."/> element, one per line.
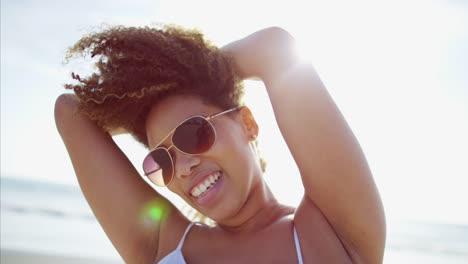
<point x="171" y="134"/>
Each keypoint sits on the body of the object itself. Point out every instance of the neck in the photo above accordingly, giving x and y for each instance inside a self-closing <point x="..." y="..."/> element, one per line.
<point x="259" y="211"/>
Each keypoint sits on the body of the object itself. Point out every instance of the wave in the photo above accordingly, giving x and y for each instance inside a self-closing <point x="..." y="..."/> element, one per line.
<point x="434" y="247"/>
<point x="50" y="212"/>
<point x="43" y="198"/>
<point x="429" y="237"/>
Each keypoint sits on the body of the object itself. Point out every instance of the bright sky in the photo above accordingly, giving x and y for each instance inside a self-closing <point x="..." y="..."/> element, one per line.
<point x="396" y="70"/>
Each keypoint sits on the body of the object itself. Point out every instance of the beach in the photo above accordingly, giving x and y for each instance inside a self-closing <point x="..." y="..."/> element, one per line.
<point x="43" y="222"/>
<point x="24" y="257"/>
<point x="50" y="223"/>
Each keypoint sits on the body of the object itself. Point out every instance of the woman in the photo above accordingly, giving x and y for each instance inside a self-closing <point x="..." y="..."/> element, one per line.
<point x="180" y="96"/>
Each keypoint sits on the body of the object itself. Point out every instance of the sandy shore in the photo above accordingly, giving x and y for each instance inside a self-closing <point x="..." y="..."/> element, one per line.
<point x="19" y="257"/>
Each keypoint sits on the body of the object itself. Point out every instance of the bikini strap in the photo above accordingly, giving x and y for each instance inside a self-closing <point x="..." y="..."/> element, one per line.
<point x="298" y="246"/>
<point x="181" y="243"/>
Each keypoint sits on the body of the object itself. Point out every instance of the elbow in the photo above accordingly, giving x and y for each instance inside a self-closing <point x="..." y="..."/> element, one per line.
<point x="282" y="41"/>
<point x="279" y="34"/>
<point x="65" y="106"/>
<point x="279" y="52"/>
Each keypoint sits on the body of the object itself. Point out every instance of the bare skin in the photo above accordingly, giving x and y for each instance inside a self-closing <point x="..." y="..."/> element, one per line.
<point x="340" y="218"/>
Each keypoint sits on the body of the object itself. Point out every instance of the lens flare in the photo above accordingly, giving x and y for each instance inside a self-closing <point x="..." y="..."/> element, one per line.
<point x="154" y="211"/>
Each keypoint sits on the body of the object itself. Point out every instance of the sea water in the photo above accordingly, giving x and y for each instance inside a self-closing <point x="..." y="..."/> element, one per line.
<point x="429" y="243"/>
<point x="50" y="218"/>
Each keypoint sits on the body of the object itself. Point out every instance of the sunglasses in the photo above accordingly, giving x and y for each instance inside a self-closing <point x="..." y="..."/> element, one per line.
<point x="195" y="135"/>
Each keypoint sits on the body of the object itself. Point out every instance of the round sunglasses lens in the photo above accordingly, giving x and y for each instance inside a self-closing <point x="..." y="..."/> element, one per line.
<point x="194" y="136"/>
<point x="158" y="167"/>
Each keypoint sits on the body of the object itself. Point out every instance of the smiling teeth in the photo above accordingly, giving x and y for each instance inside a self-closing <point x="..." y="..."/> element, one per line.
<point x="205" y="185"/>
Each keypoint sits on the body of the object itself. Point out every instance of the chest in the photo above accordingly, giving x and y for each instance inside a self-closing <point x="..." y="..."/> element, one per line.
<point x="266" y="247"/>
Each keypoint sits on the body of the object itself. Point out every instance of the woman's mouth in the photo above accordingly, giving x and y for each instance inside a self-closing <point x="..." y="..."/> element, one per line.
<point x="207" y="191"/>
<point x="204" y="187"/>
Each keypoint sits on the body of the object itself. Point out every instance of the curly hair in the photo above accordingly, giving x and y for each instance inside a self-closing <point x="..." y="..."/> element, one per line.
<point x="138" y="67"/>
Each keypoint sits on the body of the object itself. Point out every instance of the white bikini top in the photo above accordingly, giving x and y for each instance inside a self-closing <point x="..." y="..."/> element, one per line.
<point x="176" y="256"/>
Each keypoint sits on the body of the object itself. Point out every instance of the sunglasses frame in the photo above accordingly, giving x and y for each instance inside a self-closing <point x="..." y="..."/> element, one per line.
<point x="171" y="134"/>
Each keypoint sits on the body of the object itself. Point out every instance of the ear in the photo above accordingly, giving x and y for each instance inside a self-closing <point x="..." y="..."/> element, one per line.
<point x="249" y="125"/>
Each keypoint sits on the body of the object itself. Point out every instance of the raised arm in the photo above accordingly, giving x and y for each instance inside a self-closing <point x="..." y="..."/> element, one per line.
<point x="113" y="188"/>
<point x="334" y="171"/>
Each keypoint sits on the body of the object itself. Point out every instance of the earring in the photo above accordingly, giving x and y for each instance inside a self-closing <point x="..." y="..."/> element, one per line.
<point x="253" y="136"/>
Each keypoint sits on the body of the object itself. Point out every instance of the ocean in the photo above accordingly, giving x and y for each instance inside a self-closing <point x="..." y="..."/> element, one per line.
<point x="51" y="219"/>
<point x="54" y="219"/>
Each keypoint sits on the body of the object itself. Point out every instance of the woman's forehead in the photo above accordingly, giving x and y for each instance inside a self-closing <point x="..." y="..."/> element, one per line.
<point x="170" y="112"/>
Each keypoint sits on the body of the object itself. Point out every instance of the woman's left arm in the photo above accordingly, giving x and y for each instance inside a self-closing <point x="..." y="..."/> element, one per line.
<point x="334" y="171"/>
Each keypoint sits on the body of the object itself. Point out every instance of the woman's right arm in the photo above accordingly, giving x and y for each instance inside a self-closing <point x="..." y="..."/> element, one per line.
<point x="117" y="194"/>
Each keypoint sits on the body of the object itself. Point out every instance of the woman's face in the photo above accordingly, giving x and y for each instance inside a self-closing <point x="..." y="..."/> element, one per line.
<point x="230" y="162"/>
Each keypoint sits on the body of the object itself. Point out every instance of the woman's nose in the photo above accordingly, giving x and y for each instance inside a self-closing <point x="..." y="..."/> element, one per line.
<point x="185" y="163"/>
